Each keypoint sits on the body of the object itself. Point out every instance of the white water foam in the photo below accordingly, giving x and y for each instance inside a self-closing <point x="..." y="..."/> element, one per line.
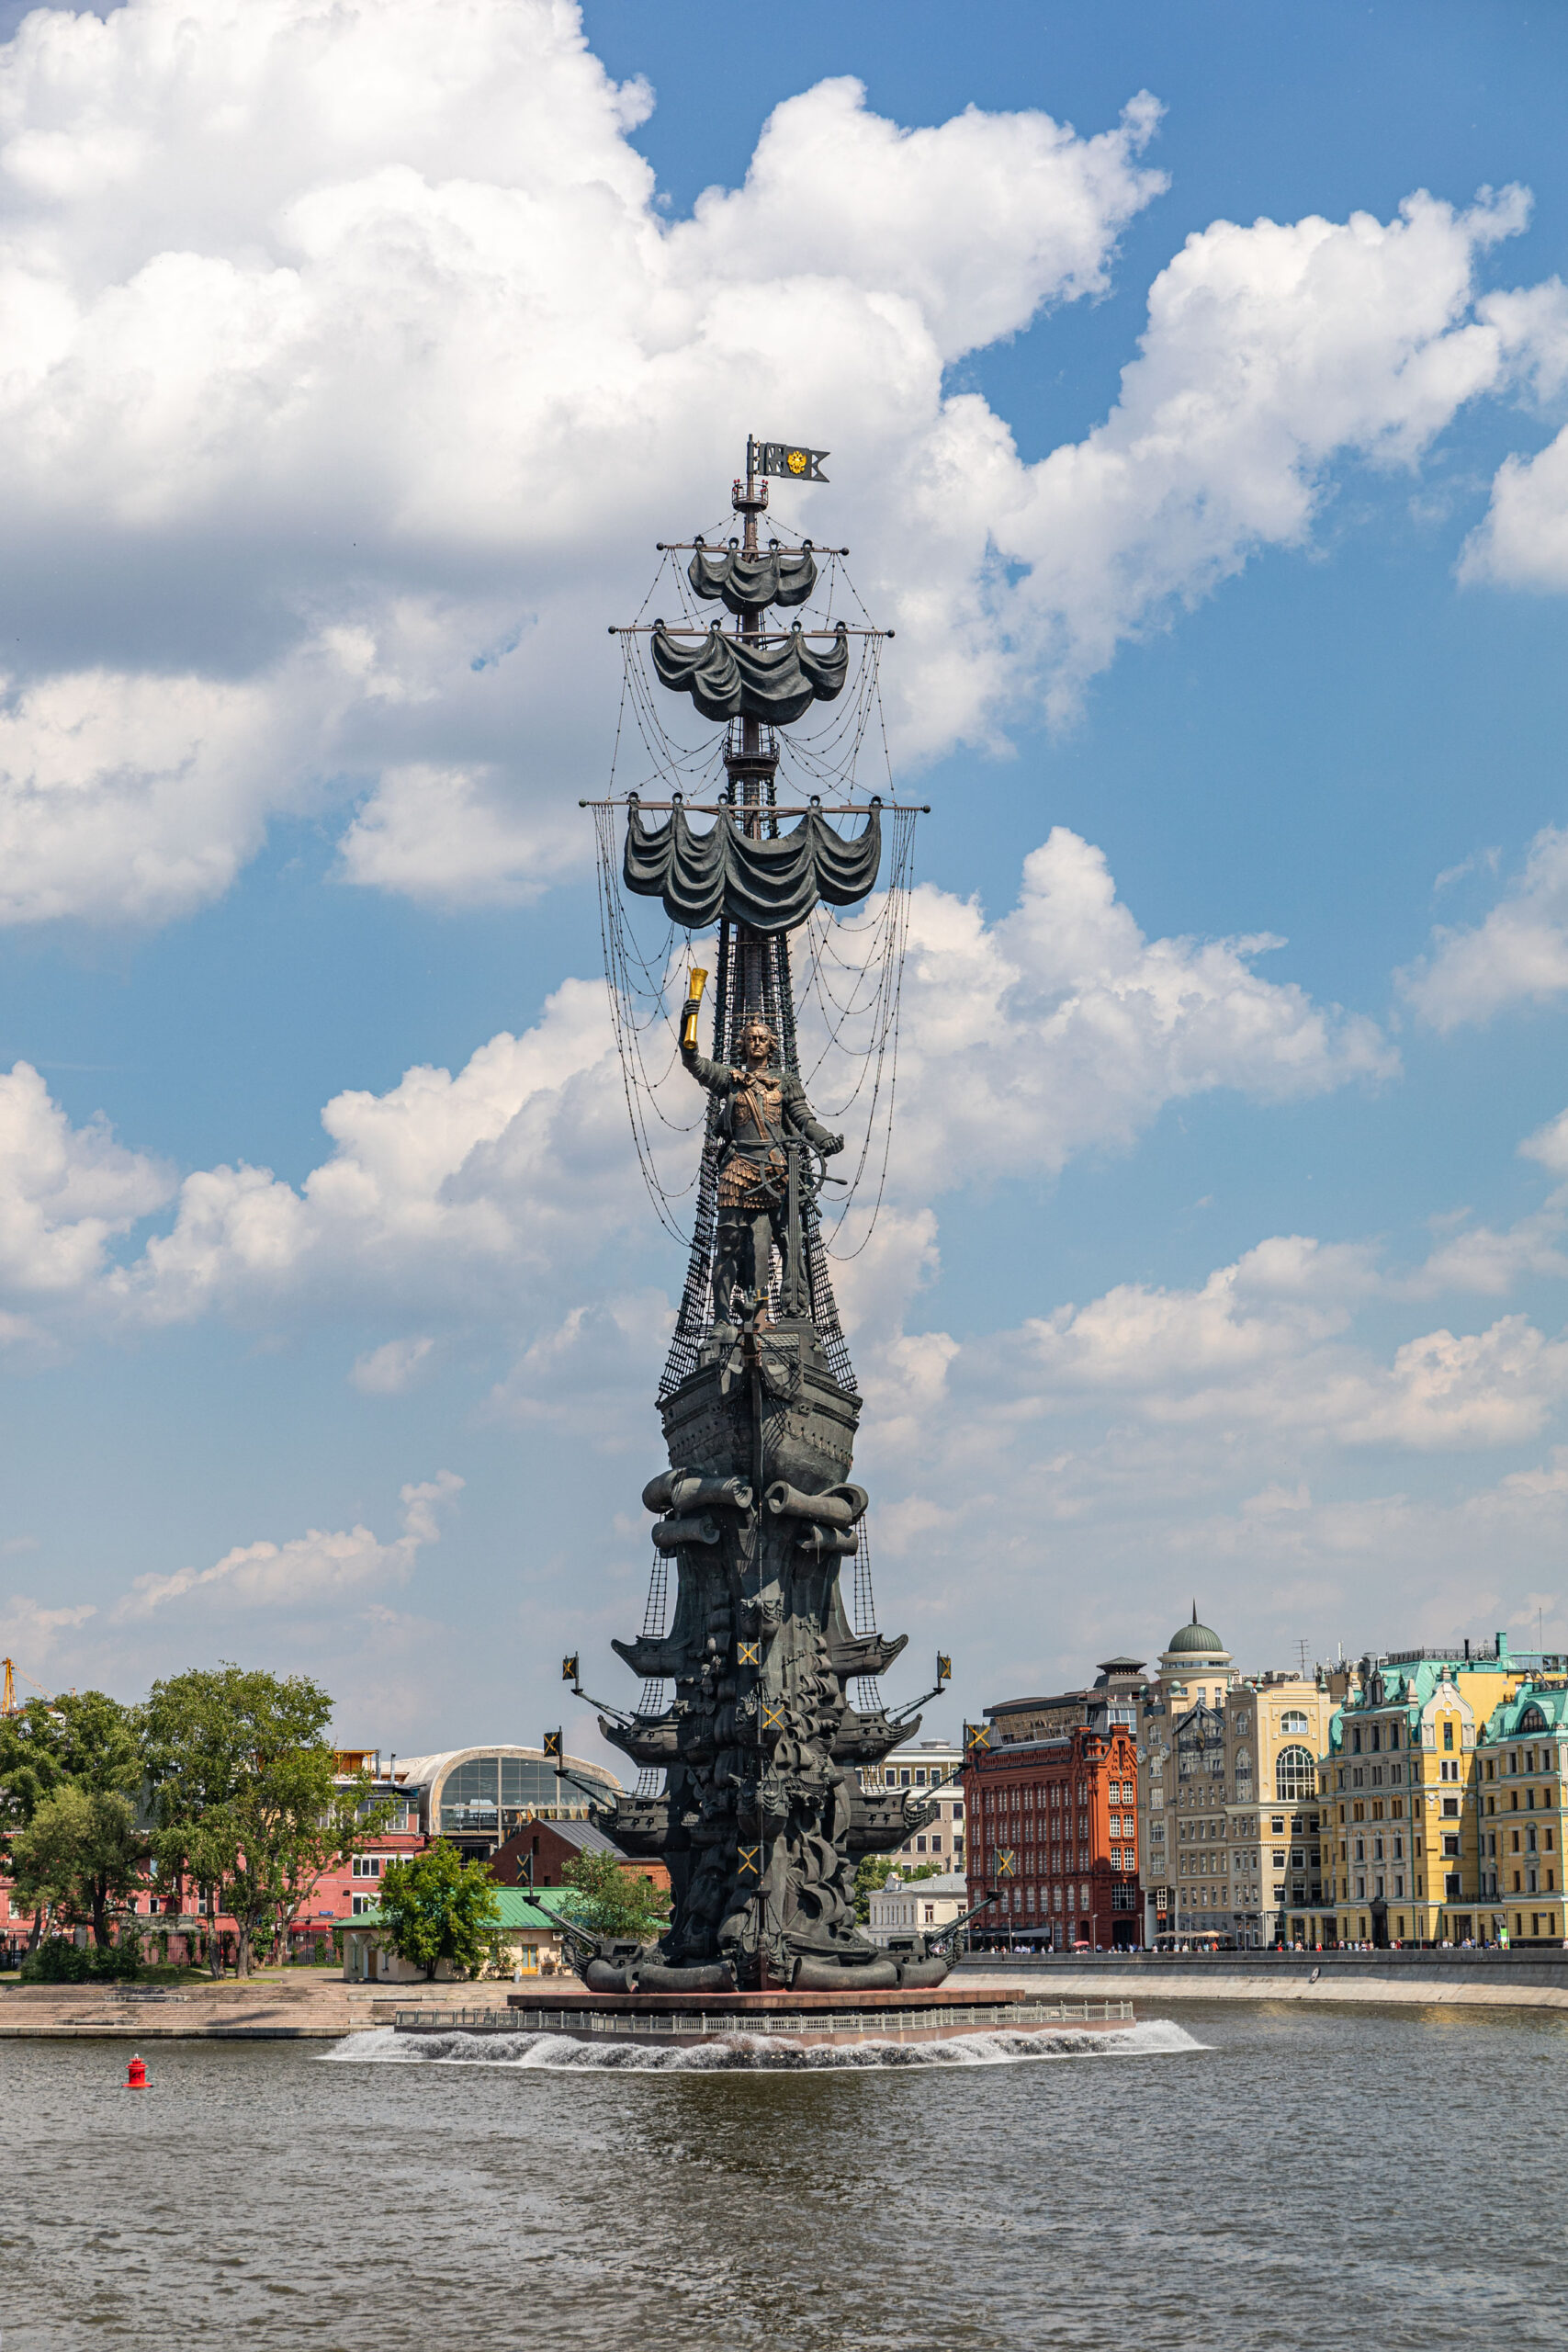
<point x="752" y="2053"/>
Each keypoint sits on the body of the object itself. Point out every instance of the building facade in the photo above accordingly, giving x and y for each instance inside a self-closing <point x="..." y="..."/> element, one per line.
<point x="923" y="1906"/>
<point x="1231" y="1821"/>
<point x="538" y="1851"/>
<point x="1400" y="1772"/>
<point x="1053" y="1829"/>
<point x="932" y="1771"/>
<point x="528" y="1942"/>
<point x="475" y="1797"/>
<point x="1111" y="1699"/>
<point x="1521" y="1770"/>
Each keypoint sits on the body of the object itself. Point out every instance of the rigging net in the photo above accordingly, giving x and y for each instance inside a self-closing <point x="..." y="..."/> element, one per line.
<point x="847" y="1004"/>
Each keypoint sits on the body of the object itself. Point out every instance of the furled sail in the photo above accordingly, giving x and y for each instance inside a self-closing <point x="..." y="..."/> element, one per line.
<point x="748" y="582"/>
<point x="767" y="885"/>
<point x="731" y="677"/>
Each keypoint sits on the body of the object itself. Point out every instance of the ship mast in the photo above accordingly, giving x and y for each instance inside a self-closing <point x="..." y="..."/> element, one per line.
<point x="762" y="1814"/>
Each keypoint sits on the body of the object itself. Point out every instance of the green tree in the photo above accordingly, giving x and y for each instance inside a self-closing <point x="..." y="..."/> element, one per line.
<point x="435" y="1906"/>
<point x="244" y="1793"/>
<point x="80" y="1855"/>
<point x="608" y="1900"/>
<point x="84" y="1741"/>
<point x="874" y="1872"/>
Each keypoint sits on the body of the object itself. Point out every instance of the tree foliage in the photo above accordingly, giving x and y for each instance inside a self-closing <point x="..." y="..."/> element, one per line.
<point x="608" y="1900"/>
<point x="435" y="1906"/>
<point x="68" y="1770"/>
<point x="244" y="1795"/>
<point x="80" y="1855"/>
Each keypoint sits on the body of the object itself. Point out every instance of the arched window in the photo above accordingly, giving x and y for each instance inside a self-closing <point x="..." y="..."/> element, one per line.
<point x="1295" y="1775"/>
<point x="1292" y="1720"/>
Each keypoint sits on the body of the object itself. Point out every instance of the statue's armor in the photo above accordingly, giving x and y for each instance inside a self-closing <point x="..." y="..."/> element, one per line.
<point x="759" y="1113"/>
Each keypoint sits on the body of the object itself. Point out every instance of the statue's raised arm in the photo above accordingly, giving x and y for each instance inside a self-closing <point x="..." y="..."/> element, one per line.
<point x="761" y="1110"/>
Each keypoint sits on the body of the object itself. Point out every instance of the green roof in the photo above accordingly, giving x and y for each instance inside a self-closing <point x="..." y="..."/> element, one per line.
<point x="1193" y="1637"/>
<point x="1504" y="1721"/>
<point x="520" y="1907"/>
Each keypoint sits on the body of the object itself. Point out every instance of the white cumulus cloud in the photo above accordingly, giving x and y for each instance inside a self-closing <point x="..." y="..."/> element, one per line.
<point x="484" y="1196"/>
<point x="386" y="1370"/>
<point x="1517" y="954"/>
<point x="333" y="342"/>
<point x="312" y="1570"/>
<point x="65" y="1191"/>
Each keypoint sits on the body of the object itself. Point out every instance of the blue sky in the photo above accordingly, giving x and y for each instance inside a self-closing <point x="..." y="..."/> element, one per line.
<point x="356" y="362"/>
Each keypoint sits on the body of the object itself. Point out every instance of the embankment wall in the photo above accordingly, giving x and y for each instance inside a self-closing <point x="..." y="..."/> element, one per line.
<point x="1536" y="1977"/>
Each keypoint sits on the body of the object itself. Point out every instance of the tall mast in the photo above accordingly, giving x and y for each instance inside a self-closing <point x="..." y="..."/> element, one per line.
<point x="762" y="1815"/>
<point x="750" y="768"/>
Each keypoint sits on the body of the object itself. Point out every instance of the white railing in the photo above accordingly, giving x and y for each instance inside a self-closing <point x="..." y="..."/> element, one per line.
<point x="875" y="2022"/>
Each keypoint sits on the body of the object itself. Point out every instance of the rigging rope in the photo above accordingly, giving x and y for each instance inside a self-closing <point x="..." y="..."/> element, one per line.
<point x="849" y="989"/>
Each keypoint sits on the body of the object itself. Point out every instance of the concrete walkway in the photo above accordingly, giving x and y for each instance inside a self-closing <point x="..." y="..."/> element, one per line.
<point x="267" y="2009"/>
<point x="1536" y="1979"/>
<point x="301" y="2006"/>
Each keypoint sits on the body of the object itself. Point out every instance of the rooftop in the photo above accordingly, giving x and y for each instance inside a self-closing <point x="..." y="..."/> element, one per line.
<point x="948" y="1883"/>
<point x="520" y="1907"/>
<point x="1190" y="1639"/>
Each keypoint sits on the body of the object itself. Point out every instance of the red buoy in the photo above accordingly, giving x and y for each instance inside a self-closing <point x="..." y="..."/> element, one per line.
<point x="136" y="2076"/>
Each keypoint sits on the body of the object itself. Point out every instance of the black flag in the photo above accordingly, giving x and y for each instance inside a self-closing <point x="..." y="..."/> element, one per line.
<point x="787" y="462"/>
<point x="552" y="1743"/>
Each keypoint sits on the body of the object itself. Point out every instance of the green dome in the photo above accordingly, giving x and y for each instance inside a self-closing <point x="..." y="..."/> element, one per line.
<point x="1194" y="1637"/>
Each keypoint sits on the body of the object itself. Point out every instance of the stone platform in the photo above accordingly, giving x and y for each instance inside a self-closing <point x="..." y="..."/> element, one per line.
<point x="803" y="2018"/>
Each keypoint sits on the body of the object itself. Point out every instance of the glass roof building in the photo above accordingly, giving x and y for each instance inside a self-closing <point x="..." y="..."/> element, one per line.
<point x="477" y="1796"/>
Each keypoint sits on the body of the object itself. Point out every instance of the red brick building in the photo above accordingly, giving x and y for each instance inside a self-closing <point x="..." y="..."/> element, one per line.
<point x="537" y="1852"/>
<point x="1052" y="1827"/>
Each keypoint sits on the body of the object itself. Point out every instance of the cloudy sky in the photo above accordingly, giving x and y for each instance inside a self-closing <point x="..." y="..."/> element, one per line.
<point x="1197" y="385"/>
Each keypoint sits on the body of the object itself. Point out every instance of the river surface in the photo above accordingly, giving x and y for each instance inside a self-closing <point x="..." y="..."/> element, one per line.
<point x="1250" y="2177"/>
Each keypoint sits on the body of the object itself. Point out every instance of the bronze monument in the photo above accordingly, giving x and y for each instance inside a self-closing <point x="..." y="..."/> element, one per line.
<point x="748" y="1718"/>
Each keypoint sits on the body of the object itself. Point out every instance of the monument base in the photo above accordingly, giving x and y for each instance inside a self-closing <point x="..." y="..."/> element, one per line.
<point x="799" y="2020"/>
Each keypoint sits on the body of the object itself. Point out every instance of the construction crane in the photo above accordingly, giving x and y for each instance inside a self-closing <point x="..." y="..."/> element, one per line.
<point x="9" y="1702"/>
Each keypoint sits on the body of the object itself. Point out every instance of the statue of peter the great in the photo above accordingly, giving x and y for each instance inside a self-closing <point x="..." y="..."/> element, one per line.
<point x="761" y="1111"/>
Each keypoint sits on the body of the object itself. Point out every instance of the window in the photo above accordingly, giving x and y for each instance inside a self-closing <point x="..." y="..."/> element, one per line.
<point x="360" y="1904"/>
<point x="1295" y="1775"/>
<point x="1294" y="1719"/>
<point x="369" y="1865"/>
<point x="1447" y="1730"/>
<point x="467" y="1795"/>
<point x="1450" y="1808"/>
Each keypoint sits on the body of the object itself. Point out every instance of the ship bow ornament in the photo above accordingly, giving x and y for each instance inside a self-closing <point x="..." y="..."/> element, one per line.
<point x="759" y="1658"/>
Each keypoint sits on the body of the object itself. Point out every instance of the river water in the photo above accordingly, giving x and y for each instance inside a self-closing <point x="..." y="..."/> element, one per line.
<point x="1248" y="2177"/>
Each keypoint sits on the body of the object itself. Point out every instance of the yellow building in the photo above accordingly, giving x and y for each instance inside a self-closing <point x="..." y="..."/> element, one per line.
<point x="1403" y="1862"/>
<point x="1521" y="1774"/>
